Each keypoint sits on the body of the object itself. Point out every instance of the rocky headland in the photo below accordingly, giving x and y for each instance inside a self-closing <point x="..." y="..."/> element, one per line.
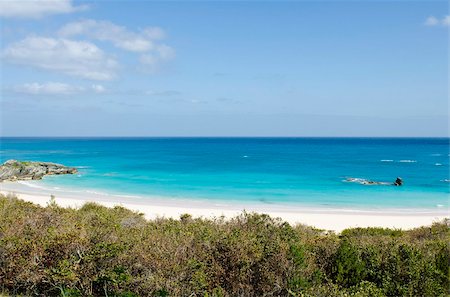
<point x="13" y="170"/>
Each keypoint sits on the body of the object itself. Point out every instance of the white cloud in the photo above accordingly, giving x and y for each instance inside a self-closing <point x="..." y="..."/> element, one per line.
<point x="49" y="88"/>
<point x="434" y="21"/>
<point x="55" y="88"/>
<point x="36" y="8"/>
<point x="160" y="54"/>
<point x="76" y="58"/>
<point x="148" y="59"/>
<point x="98" y="89"/>
<point x="120" y="36"/>
<point x="146" y="41"/>
<point x="162" y="93"/>
<point x="446" y="20"/>
<point x="165" y="52"/>
<point x="154" y="33"/>
<point x="431" y="21"/>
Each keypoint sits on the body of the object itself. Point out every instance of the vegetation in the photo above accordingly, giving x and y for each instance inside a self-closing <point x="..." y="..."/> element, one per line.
<point x="98" y="251"/>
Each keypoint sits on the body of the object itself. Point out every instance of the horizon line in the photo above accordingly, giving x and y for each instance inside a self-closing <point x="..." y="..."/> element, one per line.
<point x="228" y="136"/>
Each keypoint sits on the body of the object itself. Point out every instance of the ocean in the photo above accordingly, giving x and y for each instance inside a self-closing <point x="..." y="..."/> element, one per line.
<point x="311" y="172"/>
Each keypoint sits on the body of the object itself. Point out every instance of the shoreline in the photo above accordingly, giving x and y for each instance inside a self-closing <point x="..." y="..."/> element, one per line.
<point x="323" y="218"/>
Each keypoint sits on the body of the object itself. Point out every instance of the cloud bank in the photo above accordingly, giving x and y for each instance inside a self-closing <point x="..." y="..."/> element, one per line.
<point x="146" y="42"/>
<point x="432" y="21"/>
<point x="36" y="8"/>
<point x="120" y="36"/>
<point x="75" y="58"/>
<point x="55" y="89"/>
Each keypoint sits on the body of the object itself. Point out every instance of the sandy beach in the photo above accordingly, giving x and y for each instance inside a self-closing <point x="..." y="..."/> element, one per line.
<point x="323" y="218"/>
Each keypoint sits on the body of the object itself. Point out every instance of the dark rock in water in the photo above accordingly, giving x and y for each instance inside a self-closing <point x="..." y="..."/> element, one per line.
<point x="398" y="182"/>
<point x="13" y="170"/>
<point x="362" y="181"/>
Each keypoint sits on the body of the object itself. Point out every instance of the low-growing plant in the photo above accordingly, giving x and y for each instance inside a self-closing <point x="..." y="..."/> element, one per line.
<point x="99" y="251"/>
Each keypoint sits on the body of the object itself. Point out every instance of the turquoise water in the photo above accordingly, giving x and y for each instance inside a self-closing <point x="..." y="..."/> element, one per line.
<point x="301" y="171"/>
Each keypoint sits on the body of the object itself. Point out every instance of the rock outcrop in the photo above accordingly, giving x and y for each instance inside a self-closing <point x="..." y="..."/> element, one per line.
<point x="398" y="181"/>
<point x="13" y="170"/>
<point x="362" y="181"/>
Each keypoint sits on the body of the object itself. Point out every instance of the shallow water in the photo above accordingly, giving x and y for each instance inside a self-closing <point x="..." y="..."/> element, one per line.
<point x="303" y="171"/>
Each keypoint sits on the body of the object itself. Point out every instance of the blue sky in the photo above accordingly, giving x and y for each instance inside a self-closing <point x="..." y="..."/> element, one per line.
<point x="304" y="68"/>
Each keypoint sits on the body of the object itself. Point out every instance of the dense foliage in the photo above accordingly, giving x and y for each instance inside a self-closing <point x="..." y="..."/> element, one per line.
<point x="98" y="251"/>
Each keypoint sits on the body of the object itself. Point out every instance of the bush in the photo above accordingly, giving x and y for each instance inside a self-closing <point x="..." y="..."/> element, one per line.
<point x="99" y="251"/>
<point x="348" y="269"/>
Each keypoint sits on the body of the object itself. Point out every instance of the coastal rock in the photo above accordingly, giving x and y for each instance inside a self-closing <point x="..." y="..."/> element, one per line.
<point x="363" y="181"/>
<point x="13" y="170"/>
<point x="398" y="181"/>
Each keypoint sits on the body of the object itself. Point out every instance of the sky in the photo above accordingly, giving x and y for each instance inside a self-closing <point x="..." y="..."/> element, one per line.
<point x="255" y="68"/>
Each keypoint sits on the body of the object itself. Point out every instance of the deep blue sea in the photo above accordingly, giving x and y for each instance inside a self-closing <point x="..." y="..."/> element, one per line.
<point x="301" y="171"/>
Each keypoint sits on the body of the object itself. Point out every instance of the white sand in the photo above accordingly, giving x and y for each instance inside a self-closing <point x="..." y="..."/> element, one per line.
<point x="323" y="218"/>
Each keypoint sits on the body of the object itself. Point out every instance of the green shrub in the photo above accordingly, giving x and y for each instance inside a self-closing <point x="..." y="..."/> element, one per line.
<point x="347" y="269"/>
<point x="99" y="251"/>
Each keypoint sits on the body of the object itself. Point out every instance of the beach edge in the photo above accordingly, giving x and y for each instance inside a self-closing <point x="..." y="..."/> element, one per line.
<point x="327" y="220"/>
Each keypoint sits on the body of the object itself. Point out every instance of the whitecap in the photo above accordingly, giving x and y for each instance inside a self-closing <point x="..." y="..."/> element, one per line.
<point x="365" y="182"/>
<point x="439" y="205"/>
<point x="436" y="155"/>
<point x="386" y="160"/>
<point x="438" y="164"/>
<point x="31" y="185"/>
<point x="96" y="193"/>
<point x="245" y="156"/>
<point x="355" y="180"/>
<point x="127" y="196"/>
<point x="408" y="161"/>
